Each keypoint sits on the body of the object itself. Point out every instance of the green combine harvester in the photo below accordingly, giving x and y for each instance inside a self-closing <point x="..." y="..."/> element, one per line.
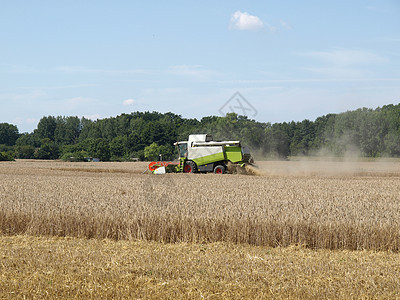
<point x="202" y="154"/>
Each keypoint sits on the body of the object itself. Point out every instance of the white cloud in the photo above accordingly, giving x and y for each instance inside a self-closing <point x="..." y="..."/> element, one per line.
<point x="58" y="87"/>
<point x="285" y="24"/>
<point x="341" y="73"/>
<point x="79" y="69"/>
<point x="25" y="120"/>
<point x="343" y="57"/>
<point x="271" y="28"/>
<point x="192" y="71"/>
<point x="244" y="21"/>
<point x="128" y="102"/>
<point x="31" y="121"/>
<point x="165" y="91"/>
<point x="345" y="64"/>
<point x="24" y="98"/>
<point x="75" y="102"/>
<point x="92" y="117"/>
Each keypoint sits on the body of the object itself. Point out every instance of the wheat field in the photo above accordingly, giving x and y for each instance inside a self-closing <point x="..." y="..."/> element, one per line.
<point x="325" y="205"/>
<point x="296" y="229"/>
<point x="73" y="268"/>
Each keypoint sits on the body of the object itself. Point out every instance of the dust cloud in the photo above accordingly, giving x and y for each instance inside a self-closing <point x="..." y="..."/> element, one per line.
<point x="318" y="166"/>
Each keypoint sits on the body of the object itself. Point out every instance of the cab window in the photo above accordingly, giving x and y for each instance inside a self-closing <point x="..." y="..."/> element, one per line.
<point x="183" y="150"/>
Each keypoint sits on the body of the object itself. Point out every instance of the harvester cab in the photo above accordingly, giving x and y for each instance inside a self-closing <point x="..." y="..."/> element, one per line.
<point x="202" y="154"/>
<point x="182" y="149"/>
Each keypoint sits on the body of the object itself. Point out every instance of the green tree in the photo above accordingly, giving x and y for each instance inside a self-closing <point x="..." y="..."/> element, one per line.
<point x="67" y="130"/>
<point x="98" y="148"/>
<point x="74" y="156"/>
<point x="392" y="144"/>
<point x="6" y="156"/>
<point x="374" y="132"/>
<point x="151" y="152"/>
<point x="280" y="140"/>
<point x="8" y="134"/>
<point x="303" y="137"/>
<point x="25" y="151"/>
<point x="48" y="150"/>
<point x="119" y="147"/>
<point x="168" y="152"/>
<point x="28" y="139"/>
<point x="46" y="128"/>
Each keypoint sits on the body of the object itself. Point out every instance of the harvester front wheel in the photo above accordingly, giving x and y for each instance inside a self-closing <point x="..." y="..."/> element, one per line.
<point x="220" y="169"/>
<point x="189" y="167"/>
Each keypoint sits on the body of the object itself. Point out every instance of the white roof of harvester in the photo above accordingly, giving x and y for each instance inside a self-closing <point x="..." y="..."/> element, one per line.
<point x="200" y="138"/>
<point x="197" y="140"/>
<point x="215" y="143"/>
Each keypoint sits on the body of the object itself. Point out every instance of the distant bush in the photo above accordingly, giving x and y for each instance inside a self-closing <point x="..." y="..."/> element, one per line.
<point x="25" y="151"/>
<point x="75" y="156"/>
<point x="6" y="156"/>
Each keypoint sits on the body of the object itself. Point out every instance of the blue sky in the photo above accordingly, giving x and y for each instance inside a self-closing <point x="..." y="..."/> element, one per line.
<point x="291" y="60"/>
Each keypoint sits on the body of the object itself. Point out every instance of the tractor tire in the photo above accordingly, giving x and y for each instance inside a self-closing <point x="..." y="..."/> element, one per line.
<point x="190" y="167"/>
<point x="220" y="169"/>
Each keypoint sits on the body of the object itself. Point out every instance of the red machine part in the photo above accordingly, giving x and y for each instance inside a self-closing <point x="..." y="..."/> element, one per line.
<point x="156" y="164"/>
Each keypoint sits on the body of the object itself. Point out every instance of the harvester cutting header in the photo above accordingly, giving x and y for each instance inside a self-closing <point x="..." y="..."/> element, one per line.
<point x="202" y="154"/>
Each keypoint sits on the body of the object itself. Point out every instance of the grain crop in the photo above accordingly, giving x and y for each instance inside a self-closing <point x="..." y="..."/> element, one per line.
<point x="71" y="268"/>
<point x="325" y="204"/>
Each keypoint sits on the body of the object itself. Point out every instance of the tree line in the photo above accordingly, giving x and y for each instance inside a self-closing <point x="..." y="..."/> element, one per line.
<point x="145" y="135"/>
